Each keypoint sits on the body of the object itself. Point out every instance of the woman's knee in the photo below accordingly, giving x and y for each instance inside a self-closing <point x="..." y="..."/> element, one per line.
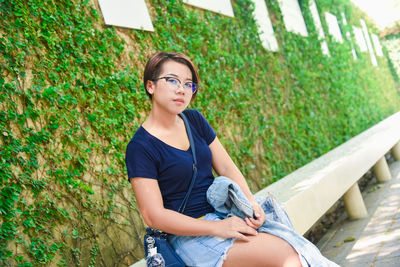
<point x="292" y="260"/>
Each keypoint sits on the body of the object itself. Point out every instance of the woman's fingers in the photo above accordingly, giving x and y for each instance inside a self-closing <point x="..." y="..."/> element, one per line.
<point x="259" y="214"/>
<point x="246" y="229"/>
<point x="256" y="222"/>
<point x="235" y="227"/>
<point x="251" y="222"/>
<point x="242" y="237"/>
<point x="242" y="227"/>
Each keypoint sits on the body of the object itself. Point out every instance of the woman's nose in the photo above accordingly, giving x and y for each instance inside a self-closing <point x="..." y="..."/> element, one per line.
<point x="180" y="89"/>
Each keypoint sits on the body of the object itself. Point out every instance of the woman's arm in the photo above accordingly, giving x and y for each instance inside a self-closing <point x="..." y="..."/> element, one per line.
<point x="148" y="197"/>
<point x="224" y="165"/>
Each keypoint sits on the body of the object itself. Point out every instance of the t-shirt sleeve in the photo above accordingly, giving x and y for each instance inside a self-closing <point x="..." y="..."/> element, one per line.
<point x="201" y="125"/>
<point x="140" y="161"/>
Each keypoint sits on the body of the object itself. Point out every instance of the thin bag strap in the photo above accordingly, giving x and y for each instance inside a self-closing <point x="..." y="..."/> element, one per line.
<point x="193" y="149"/>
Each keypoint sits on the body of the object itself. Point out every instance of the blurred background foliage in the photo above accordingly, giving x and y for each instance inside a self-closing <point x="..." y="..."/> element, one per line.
<point x="72" y="97"/>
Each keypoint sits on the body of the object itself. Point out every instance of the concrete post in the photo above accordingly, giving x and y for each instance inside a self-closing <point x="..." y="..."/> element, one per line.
<point x="354" y="203"/>
<point x="381" y="170"/>
<point x="396" y="151"/>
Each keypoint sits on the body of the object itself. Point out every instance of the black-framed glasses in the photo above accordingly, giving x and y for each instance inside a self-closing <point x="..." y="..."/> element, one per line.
<point x="174" y="83"/>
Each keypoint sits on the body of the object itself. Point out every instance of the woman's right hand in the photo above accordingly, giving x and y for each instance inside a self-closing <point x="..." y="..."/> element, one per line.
<point x="233" y="227"/>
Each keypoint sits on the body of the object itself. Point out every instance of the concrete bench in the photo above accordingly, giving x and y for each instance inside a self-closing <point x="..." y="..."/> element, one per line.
<point x="309" y="192"/>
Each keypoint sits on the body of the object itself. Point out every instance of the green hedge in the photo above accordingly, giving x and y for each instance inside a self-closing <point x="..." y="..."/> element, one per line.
<point x="72" y="96"/>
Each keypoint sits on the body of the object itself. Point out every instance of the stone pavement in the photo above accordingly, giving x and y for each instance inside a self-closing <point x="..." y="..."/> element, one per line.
<point x="374" y="240"/>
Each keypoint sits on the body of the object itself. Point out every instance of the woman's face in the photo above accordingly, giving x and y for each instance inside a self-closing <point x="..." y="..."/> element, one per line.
<point x="169" y="91"/>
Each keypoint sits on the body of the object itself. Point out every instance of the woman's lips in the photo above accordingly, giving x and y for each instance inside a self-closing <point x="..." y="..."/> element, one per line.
<point x="179" y="100"/>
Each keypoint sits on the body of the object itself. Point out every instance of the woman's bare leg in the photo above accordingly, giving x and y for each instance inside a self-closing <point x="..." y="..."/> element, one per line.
<point x="262" y="250"/>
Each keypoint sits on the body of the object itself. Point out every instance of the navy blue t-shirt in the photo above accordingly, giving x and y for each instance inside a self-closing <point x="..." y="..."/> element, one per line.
<point x="149" y="157"/>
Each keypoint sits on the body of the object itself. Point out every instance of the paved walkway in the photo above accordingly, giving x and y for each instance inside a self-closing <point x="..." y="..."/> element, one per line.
<point x="374" y="240"/>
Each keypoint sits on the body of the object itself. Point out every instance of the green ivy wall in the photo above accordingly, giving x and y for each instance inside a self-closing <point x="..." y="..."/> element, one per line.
<point x="71" y="97"/>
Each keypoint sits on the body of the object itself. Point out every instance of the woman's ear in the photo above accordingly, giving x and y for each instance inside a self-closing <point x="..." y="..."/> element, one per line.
<point x="150" y="87"/>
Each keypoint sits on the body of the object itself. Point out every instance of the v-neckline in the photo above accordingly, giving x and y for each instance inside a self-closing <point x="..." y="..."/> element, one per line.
<point x="155" y="137"/>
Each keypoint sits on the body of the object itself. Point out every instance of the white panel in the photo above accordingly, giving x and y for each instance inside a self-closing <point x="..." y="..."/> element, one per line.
<point x="318" y="25"/>
<point x="353" y="51"/>
<point x="292" y="17"/>
<point x="333" y="27"/>
<point x="223" y="7"/>
<point x="126" y="13"/>
<point x="393" y="48"/>
<point x="369" y="44"/>
<point x="266" y="32"/>
<point x="360" y="39"/>
<point x="348" y="37"/>
<point x="324" y="47"/>
<point x="344" y="19"/>
<point x="377" y="45"/>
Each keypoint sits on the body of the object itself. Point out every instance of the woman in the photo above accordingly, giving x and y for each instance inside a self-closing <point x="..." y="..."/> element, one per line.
<point x="159" y="163"/>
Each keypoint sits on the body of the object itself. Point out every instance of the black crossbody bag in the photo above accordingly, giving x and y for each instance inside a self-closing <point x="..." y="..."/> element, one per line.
<point x="157" y="249"/>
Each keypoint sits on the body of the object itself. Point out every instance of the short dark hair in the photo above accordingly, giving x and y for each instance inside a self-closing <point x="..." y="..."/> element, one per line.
<point x="154" y="66"/>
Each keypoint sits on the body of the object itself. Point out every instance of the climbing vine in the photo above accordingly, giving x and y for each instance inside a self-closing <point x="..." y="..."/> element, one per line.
<point x="71" y="97"/>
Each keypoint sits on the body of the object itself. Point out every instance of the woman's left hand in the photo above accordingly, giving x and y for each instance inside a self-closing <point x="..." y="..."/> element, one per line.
<point x="259" y="215"/>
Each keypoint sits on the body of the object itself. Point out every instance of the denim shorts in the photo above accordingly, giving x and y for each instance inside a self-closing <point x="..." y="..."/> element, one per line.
<point x="202" y="251"/>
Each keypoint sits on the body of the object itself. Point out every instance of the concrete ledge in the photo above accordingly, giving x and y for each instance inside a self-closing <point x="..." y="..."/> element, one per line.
<point x="310" y="191"/>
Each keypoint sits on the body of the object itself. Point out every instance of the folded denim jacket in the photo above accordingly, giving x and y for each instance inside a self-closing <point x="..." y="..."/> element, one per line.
<point x="277" y="221"/>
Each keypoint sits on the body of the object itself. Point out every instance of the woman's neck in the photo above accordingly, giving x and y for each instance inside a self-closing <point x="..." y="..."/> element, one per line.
<point x="160" y="119"/>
